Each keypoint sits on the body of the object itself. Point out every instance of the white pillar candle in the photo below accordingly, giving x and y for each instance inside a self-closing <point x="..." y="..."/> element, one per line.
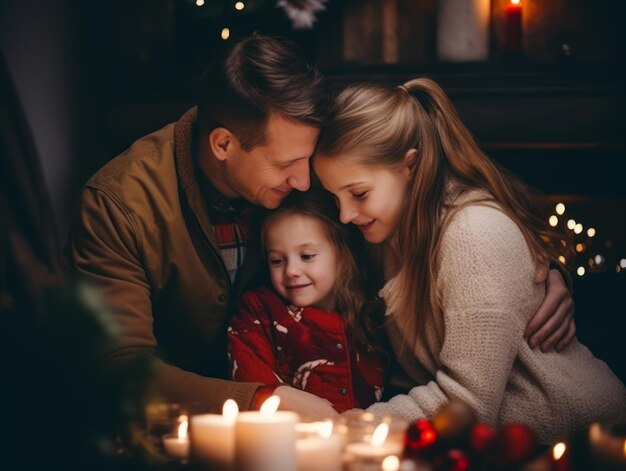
<point x="176" y="447"/>
<point x="213" y="438"/>
<point x="266" y="442"/>
<point x="463" y="30"/>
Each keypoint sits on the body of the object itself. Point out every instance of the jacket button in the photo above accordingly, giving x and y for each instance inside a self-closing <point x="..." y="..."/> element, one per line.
<point x="343" y="391"/>
<point x="221" y="297"/>
<point x="339" y="346"/>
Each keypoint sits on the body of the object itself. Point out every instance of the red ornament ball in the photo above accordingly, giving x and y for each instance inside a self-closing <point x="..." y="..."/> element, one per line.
<point x="513" y="443"/>
<point x="421" y="436"/>
<point x="452" y="460"/>
<point x="481" y="437"/>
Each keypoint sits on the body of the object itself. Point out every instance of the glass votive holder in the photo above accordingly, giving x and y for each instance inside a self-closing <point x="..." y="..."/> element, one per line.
<point x="369" y="439"/>
<point x="319" y="446"/>
<point x="166" y="426"/>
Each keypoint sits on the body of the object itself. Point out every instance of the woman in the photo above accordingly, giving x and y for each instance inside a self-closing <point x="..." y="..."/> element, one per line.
<point x="460" y="246"/>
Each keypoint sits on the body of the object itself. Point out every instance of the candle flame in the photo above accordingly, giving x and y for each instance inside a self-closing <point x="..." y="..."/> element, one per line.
<point x="230" y="410"/>
<point x="183" y="427"/>
<point x="391" y="463"/>
<point x="270" y="406"/>
<point x="558" y="451"/>
<point x="325" y="429"/>
<point x="380" y="434"/>
<point x="515" y="2"/>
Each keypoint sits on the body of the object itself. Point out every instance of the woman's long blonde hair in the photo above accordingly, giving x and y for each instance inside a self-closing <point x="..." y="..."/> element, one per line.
<point x="377" y="125"/>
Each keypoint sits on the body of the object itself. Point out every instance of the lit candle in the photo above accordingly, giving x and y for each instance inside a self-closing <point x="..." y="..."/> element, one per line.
<point x="607" y="448"/>
<point x="513" y="14"/>
<point x="178" y="446"/>
<point x="266" y="439"/>
<point x="376" y="450"/>
<point x="319" y="448"/>
<point x="560" y="457"/>
<point x="213" y="437"/>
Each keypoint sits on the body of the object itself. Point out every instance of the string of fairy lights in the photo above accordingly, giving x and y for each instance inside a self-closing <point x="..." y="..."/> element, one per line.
<point x="301" y="13"/>
<point x="590" y="255"/>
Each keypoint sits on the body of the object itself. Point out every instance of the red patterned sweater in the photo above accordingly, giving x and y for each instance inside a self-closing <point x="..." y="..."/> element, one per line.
<point x="307" y="348"/>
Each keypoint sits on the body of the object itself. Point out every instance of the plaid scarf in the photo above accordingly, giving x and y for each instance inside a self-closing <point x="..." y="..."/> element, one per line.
<point x="231" y="224"/>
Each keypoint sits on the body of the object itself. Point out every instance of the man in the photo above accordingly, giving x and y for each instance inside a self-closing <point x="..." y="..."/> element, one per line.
<point x="163" y="227"/>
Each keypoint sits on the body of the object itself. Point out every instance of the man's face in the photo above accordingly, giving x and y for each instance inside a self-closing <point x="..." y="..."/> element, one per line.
<point x="267" y="173"/>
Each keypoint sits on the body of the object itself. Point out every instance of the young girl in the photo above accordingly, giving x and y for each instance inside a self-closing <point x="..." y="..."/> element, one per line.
<point x="460" y="244"/>
<point x="315" y="328"/>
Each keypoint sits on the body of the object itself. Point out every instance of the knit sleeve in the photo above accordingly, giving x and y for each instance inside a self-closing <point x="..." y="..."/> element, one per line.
<point x="251" y="348"/>
<point x="487" y="291"/>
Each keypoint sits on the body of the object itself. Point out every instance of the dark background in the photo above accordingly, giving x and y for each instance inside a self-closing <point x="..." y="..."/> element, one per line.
<point x="94" y="76"/>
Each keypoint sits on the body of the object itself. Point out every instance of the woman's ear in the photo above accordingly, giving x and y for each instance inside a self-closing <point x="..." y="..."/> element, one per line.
<point x="221" y="141"/>
<point x="410" y="159"/>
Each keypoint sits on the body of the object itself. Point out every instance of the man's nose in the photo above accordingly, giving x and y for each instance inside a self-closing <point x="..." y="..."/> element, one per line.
<point x="300" y="178"/>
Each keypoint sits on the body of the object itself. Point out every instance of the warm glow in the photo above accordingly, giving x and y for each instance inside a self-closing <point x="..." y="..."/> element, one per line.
<point x="182" y="428"/>
<point x="270" y="406"/>
<point x="580" y="247"/>
<point x="624" y="447"/>
<point x="591" y="232"/>
<point x="553" y="220"/>
<point x="515" y="2"/>
<point x="225" y="33"/>
<point x="230" y="410"/>
<point x="380" y="434"/>
<point x="571" y="224"/>
<point x="562" y="259"/>
<point x="325" y="429"/>
<point x="391" y="463"/>
<point x="580" y="271"/>
<point x="558" y="451"/>
<point x="199" y="2"/>
<point x="560" y="208"/>
<point x="239" y="6"/>
<point x="578" y="228"/>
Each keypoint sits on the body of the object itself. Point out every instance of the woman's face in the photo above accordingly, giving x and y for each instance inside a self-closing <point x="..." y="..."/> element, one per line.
<point x="371" y="197"/>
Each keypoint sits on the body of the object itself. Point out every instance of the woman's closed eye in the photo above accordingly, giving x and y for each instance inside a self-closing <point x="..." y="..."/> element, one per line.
<point x="307" y="257"/>
<point x="360" y="196"/>
<point x="275" y="262"/>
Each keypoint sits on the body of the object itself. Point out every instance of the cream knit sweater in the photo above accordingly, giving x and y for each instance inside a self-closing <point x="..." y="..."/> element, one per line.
<point x="475" y="351"/>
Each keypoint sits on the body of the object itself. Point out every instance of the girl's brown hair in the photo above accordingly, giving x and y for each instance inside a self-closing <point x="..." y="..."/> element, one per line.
<point x="361" y="310"/>
<point x="376" y="126"/>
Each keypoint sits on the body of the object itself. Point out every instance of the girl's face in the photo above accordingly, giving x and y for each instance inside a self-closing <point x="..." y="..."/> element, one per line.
<point x="302" y="261"/>
<point x="371" y="197"/>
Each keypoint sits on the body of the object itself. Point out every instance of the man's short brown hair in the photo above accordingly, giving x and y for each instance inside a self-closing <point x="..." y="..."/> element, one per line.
<point x="261" y="74"/>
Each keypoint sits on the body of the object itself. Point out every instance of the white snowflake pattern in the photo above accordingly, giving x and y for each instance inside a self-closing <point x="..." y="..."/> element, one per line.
<point x="280" y="328"/>
<point x="301" y="377"/>
<point x="295" y="312"/>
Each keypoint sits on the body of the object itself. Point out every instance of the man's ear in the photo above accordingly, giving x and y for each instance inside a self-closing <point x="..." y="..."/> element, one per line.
<point x="221" y="141"/>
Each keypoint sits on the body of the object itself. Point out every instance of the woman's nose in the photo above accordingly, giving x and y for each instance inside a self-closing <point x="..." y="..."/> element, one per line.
<point x="346" y="214"/>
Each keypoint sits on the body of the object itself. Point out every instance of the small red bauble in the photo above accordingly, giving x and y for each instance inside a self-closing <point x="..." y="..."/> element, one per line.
<point x="452" y="460"/>
<point x="481" y="437"/>
<point x="513" y="443"/>
<point x="420" y="436"/>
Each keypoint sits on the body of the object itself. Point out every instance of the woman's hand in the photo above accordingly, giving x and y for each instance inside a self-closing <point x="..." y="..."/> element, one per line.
<point x="553" y="323"/>
<point x="307" y="405"/>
